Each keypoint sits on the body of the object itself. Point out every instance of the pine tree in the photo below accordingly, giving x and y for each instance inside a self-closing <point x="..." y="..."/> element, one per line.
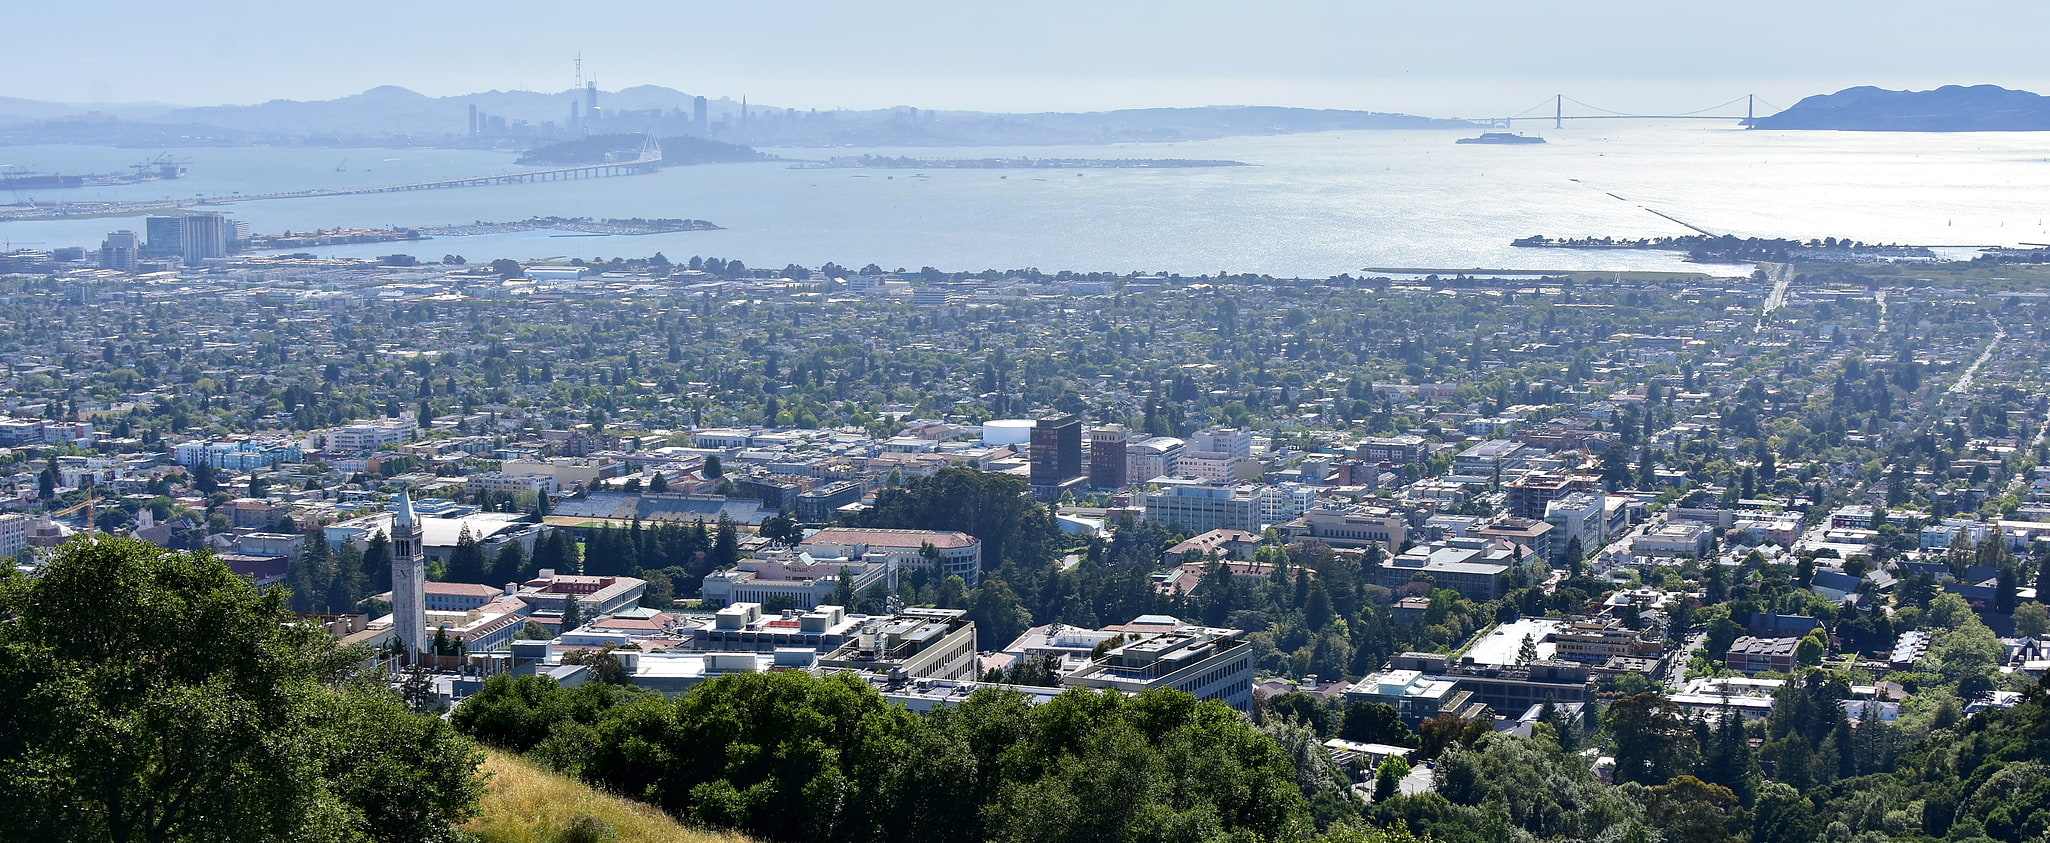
<point x="510" y="563"/>
<point x="467" y="563"/>
<point x="572" y="613"/>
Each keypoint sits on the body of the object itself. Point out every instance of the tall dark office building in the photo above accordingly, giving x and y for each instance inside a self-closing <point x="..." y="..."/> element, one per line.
<point x="164" y="237"/>
<point x="1107" y="456"/>
<point x="1056" y="450"/>
<point x="700" y="116"/>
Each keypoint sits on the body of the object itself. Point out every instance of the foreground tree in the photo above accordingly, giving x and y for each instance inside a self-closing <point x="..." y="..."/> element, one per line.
<point x="155" y="695"/>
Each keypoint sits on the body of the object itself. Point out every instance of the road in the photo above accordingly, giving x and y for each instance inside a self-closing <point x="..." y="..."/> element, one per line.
<point x="1783" y="276"/>
<point x="1676" y="675"/>
<point x="1964" y="382"/>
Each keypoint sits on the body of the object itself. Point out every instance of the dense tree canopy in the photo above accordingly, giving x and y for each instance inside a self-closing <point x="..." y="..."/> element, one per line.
<point x="155" y="695"/>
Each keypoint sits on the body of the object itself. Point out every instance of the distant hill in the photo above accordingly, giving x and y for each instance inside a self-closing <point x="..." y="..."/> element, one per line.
<point x="391" y="115"/>
<point x="1951" y="108"/>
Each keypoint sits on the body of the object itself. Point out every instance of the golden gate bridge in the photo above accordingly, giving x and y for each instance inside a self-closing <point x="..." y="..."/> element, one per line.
<point x="1557" y="105"/>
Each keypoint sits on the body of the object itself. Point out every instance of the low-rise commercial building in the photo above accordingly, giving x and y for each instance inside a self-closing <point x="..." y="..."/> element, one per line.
<point x="1749" y="654"/>
<point x="1463" y="565"/>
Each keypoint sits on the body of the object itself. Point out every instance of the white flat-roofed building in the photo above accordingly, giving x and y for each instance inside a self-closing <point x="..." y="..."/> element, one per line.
<point x="1211" y="663"/>
<point x="722" y="438"/>
<point x="1463" y="565"/>
<point x="501" y="483"/>
<point x="363" y="437"/>
<point x="913" y="644"/>
<point x="567" y="471"/>
<point x="13" y="533"/>
<point x="1158" y="456"/>
<point x="1414" y="696"/>
<point x="1484" y="459"/>
<point x="799" y="579"/>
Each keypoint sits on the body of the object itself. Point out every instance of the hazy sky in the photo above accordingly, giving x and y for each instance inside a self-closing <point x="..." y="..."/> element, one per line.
<point x="1471" y="58"/>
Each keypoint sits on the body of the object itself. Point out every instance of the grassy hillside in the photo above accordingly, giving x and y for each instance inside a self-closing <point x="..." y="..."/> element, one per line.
<point x="526" y="804"/>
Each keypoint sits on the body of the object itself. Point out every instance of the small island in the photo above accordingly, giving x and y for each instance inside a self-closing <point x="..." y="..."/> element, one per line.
<point x="884" y="162"/>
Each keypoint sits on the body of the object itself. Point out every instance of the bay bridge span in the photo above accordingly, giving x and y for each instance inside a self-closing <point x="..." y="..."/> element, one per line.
<point x="646" y="160"/>
<point x="1556" y="104"/>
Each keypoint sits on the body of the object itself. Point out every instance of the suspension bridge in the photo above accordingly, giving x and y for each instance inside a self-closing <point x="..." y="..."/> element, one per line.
<point x="1556" y="104"/>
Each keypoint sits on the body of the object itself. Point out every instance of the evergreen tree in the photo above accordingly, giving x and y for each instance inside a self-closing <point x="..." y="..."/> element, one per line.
<point x="376" y="562"/>
<point x="509" y="565"/>
<point x="466" y="563"/>
<point x="725" y="544"/>
<point x="572" y="613"/>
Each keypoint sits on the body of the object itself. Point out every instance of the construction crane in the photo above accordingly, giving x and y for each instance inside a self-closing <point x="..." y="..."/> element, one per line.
<point x="90" y="523"/>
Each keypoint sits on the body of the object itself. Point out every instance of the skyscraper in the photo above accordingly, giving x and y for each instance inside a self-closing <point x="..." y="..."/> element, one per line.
<point x="203" y="236"/>
<point x="700" y="116"/>
<point x="1056" y="453"/>
<point x="166" y="237"/>
<point x="118" y="250"/>
<point x="408" y="579"/>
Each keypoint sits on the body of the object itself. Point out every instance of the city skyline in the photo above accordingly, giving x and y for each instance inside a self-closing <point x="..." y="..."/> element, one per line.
<point x="1482" y="59"/>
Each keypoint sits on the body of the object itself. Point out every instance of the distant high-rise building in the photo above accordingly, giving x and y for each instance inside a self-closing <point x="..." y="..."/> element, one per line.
<point x="1107" y="456"/>
<point x="700" y="116"/>
<point x="1232" y="442"/>
<point x="473" y="120"/>
<point x="591" y="115"/>
<point x="408" y="579"/>
<point x="203" y="236"/>
<point x="119" y="249"/>
<point x="166" y="237"/>
<point x="1056" y="450"/>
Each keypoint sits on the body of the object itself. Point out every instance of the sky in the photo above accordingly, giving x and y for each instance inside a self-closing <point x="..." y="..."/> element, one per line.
<point x="1470" y="59"/>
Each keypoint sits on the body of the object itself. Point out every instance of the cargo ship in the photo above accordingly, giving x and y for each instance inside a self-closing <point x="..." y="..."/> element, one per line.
<point x="1502" y="137"/>
<point x="160" y="168"/>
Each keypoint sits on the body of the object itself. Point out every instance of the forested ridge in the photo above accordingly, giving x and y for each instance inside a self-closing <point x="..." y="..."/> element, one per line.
<point x="789" y="756"/>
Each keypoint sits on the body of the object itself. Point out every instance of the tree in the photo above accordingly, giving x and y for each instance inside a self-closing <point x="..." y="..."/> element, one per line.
<point x="725" y="544"/>
<point x="466" y="563"/>
<point x="508" y="565"/>
<point x="1372" y="722"/>
<point x="1693" y="811"/>
<point x="713" y="468"/>
<point x="659" y="483"/>
<point x="155" y="695"/>
<point x="2031" y="620"/>
<point x="661" y="590"/>
<point x="1652" y="740"/>
<point x="1812" y="648"/>
<point x="572" y="613"/>
<point x="1388" y="779"/>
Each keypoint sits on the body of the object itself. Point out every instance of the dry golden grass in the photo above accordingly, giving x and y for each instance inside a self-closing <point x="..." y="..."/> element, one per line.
<point x="526" y="804"/>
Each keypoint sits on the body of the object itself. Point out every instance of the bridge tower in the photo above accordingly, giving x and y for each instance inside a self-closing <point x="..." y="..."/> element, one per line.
<point x="1558" y="111"/>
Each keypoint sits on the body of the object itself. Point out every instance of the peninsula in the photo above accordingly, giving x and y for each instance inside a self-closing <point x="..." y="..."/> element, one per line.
<point x="1951" y="108"/>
